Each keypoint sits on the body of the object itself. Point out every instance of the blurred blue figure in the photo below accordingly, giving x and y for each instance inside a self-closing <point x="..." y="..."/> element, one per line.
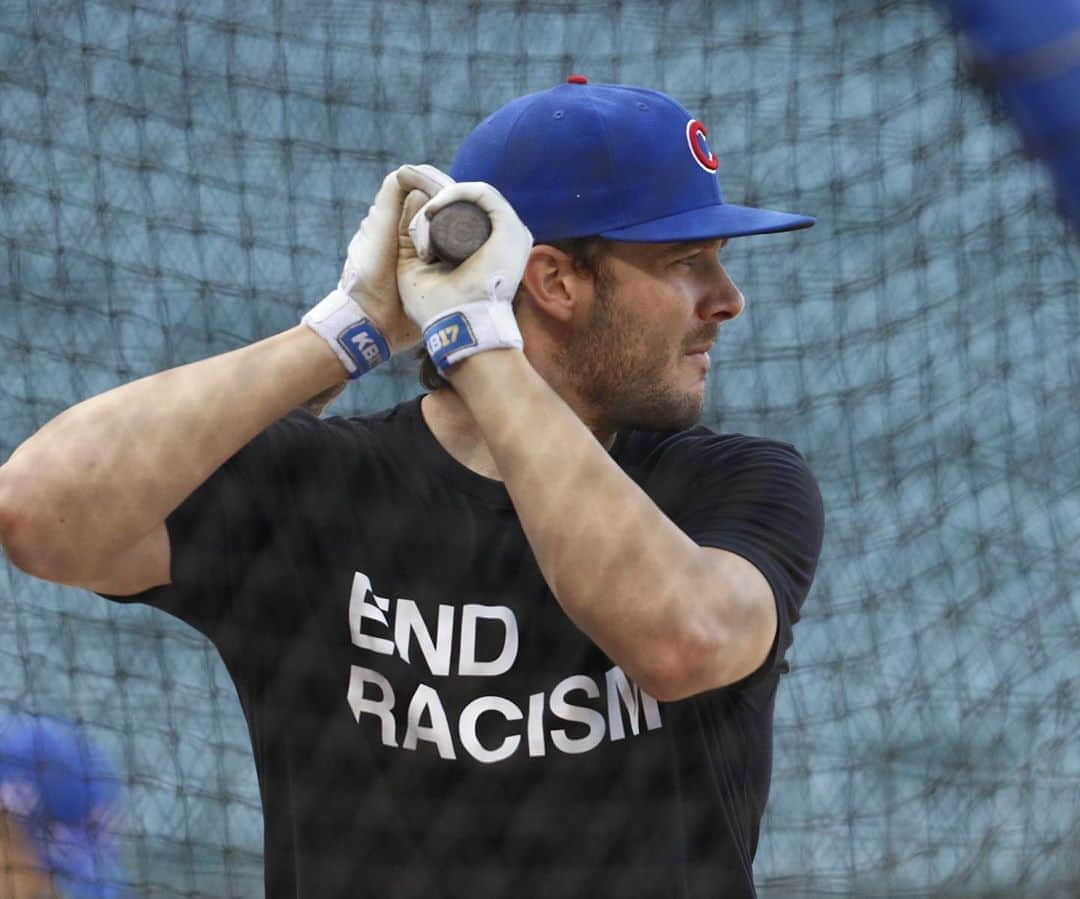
<point x="1031" y="54"/>
<point x="57" y="796"/>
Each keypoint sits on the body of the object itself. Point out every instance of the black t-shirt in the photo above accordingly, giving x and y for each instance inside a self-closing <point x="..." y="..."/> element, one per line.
<point x="426" y="721"/>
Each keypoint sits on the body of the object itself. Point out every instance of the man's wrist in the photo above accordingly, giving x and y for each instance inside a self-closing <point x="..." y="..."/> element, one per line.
<point x="331" y="369"/>
<point x="463" y="331"/>
<point x="349" y="332"/>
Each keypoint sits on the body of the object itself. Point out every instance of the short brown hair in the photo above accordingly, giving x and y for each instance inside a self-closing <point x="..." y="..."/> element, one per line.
<point x="587" y="254"/>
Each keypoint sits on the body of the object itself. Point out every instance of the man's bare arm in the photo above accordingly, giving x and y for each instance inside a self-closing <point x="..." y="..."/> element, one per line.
<point x="97" y="482"/>
<point x="102" y="475"/>
<point x="677" y="617"/>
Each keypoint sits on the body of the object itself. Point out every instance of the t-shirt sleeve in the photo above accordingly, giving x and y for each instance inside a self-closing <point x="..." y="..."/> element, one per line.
<point x="757" y="498"/>
<point x="228" y="539"/>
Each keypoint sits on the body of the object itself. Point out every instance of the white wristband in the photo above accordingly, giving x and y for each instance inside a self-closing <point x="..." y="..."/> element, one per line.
<point x="463" y="331"/>
<point x="339" y="320"/>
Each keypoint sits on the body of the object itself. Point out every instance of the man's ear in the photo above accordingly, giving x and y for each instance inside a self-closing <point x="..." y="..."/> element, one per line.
<point x="555" y="285"/>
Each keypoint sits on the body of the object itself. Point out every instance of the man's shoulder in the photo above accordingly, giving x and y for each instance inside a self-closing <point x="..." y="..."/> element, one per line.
<point x="303" y="426"/>
<point x="701" y="445"/>
<point x="303" y="445"/>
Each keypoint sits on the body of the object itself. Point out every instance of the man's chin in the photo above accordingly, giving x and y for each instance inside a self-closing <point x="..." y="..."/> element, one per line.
<point x="690" y="417"/>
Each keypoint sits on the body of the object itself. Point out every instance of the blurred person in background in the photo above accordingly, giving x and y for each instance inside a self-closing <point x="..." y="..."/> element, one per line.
<point x="58" y="796"/>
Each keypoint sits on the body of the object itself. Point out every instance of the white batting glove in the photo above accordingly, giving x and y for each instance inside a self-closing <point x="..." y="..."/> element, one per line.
<point x="363" y="320"/>
<point x="463" y="310"/>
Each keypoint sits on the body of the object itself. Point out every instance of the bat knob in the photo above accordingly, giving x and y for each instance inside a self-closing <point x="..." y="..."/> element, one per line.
<point x="458" y="231"/>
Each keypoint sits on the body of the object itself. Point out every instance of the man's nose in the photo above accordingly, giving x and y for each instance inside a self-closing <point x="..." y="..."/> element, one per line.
<point x="722" y="300"/>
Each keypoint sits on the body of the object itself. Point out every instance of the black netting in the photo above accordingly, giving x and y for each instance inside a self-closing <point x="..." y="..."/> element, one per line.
<point x="178" y="180"/>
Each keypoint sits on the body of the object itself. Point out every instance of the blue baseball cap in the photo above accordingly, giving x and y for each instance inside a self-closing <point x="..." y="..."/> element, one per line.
<point x="625" y="163"/>
<point x="62" y="790"/>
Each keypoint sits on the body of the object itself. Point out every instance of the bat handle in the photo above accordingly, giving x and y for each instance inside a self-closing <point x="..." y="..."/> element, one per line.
<point x="458" y="231"/>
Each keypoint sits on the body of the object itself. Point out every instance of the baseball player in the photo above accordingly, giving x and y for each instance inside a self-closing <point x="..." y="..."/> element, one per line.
<point x="58" y="795"/>
<point x="520" y="635"/>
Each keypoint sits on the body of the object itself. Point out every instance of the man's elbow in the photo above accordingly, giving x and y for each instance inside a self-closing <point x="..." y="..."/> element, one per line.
<point x="685" y="666"/>
<point x="14" y="542"/>
<point x="22" y="546"/>
<point x="8" y="515"/>
<point x="9" y="523"/>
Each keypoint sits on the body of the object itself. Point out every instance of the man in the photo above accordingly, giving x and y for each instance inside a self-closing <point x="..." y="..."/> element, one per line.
<point x="57" y="796"/>
<point x="520" y="636"/>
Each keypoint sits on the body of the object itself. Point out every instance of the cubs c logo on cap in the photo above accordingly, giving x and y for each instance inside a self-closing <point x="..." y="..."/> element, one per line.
<point x="699" y="146"/>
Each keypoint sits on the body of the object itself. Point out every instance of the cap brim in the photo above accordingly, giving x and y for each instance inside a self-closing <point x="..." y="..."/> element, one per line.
<point x="721" y="220"/>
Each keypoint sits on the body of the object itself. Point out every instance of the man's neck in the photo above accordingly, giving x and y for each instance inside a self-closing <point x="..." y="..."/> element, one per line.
<point x="451" y="423"/>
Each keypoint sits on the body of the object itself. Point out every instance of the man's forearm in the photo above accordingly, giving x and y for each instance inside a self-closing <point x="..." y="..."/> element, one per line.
<point x="620" y="568"/>
<point x="103" y="473"/>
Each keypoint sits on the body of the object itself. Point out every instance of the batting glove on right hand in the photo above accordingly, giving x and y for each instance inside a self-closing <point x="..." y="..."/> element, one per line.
<point x="467" y="309"/>
<point x="363" y="320"/>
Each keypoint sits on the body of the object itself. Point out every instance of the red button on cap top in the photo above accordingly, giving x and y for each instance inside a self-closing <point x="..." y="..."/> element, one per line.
<point x="577" y="79"/>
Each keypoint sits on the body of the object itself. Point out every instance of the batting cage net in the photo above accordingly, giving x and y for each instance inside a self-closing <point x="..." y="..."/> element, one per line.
<point x="181" y="179"/>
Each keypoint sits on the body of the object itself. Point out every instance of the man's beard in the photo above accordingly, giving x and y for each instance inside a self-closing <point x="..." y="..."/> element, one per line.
<point x="622" y="375"/>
